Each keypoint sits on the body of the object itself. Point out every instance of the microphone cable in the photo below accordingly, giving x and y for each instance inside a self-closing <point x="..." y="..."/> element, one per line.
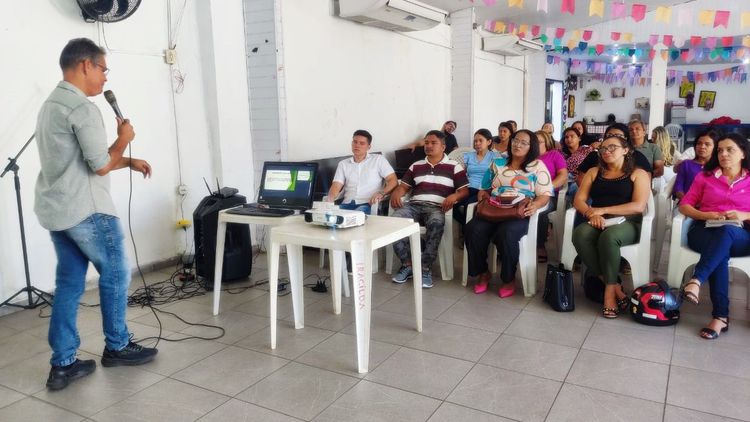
<point x="135" y="248"/>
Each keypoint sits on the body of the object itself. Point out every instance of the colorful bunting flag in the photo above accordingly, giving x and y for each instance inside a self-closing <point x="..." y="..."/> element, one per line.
<point x="653" y="39"/>
<point x="638" y="12"/>
<point x="627" y="37"/>
<point x="489" y="2"/>
<point x="685" y="16"/>
<point x="695" y="40"/>
<point x="568" y="6"/>
<point x="721" y="18"/>
<point x="710" y="42"/>
<point x="667" y="40"/>
<point x="559" y="32"/>
<point x="706" y="17"/>
<point x="663" y="14"/>
<point x="618" y="9"/>
<point x="615" y="36"/>
<point x="587" y="35"/>
<point x="727" y="41"/>
<point x="746" y="41"/>
<point x="515" y="3"/>
<point x="535" y="30"/>
<point x="596" y="7"/>
<point x="541" y="6"/>
<point x="523" y="29"/>
<point x="745" y="19"/>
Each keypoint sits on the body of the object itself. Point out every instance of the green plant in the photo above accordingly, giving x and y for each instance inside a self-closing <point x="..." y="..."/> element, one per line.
<point x="593" y="94"/>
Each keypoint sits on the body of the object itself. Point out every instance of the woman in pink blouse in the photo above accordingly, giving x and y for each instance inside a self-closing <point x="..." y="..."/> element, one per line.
<point x="555" y="162"/>
<point x="720" y="192"/>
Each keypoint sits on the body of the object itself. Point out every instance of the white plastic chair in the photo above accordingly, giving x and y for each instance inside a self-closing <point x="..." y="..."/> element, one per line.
<point x="663" y="219"/>
<point x="526" y="261"/>
<point x="677" y="134"/>
<point x="457" y="155"/>
<point x="681" y="256"/>
<point x="445" y="250"/>
<point x="638" y="254"/>
<point x="557" y="218"/>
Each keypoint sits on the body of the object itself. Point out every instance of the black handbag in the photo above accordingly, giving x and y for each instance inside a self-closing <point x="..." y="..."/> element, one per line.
<point x="558" y="289"/>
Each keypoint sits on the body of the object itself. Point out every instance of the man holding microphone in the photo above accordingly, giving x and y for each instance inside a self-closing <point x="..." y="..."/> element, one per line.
<point x="73" y="202"/>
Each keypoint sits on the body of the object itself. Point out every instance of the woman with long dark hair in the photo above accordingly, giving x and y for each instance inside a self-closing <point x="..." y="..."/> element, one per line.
<point x="721" y="192"/>
<point x="476" y="164"/>
<point x="519" y="174"/>
<point x="614" y="188"/>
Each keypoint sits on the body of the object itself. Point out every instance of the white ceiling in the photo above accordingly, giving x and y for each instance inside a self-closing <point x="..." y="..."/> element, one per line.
<point x="603" y="27"/>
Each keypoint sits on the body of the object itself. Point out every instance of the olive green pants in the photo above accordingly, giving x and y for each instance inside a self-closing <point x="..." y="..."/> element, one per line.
<point x="600" y="249"/>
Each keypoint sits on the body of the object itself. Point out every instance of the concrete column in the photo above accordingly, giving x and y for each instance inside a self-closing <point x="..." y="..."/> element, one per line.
<point x="658" y="90"/>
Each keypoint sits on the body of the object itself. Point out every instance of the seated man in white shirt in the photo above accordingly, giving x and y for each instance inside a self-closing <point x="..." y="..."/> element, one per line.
<point x="361" y="177"/>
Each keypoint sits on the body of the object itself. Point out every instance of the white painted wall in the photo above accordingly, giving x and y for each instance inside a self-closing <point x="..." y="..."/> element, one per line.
<point x="206" y="118"/>
<point x="341" y="76"/>
<point x="498" y="90"/>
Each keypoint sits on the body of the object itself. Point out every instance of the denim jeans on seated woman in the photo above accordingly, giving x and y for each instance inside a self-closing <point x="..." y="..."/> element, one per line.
<point x="97" y="239"/>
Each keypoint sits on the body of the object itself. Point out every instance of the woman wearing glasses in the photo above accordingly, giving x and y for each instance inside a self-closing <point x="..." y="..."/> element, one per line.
<point x="615" y="188"/>
<point x="519" y="174"/>
<point x="720" y="192"/>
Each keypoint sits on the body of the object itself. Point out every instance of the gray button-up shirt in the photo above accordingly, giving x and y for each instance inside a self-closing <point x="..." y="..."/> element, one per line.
<point x="72" y="147"/>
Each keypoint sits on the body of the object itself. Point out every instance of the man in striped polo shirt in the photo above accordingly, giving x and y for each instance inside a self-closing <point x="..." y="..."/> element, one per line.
<point x="436" y="184"/>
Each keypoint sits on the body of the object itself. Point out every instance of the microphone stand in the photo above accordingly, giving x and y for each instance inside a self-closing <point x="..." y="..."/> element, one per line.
<point x="35" y="296"/>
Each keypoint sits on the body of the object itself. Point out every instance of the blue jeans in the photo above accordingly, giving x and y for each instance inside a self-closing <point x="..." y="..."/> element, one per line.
<point x="716" y="245"/>
<point x="97" y="239"/>
<point x="365" y="208"/>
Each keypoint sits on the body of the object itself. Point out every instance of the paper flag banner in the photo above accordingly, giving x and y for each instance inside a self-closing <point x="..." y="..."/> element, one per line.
<point x="685" y="17"/>
<point x="638" y="12"/>
<point x="710" y="42"/>
<point x="515" y="3"/>
<point x="559" y="32"/>
<point x="618" y="9"/>
<point x="674" y="54"/>
<point x="745" y="19"/>
<point x="489" y="2"/>
<point x="653" y="39"/>
<point x="543" y="38"/>
<point x="631" y="52"/>
<point x="557" y="60"/>
<point x="599" y="49"/>
<point x="550" y="59"/>
<point x="572" y="43"/>
<point x="667" y="40"/>
<point x="535" y="30"/>
<point x="615" y="36"/>
<point x="541" y="6"/>
<point x="627" y="37"/>
<point x="511" y="27"/>
<point x="727" y="41"/>
<point x="523" y="29"/>
<point x="746" y="41"/>
<point x="695" y="41"/>
<point x="663" y="14"/>
<point x="596" y="7"/>
<point x="685" y="55"/>
<point x="557" y="42"/>
<point x="583" y="45"/>
<point x="575" y="35"/>
<point x="706" y="17"/>
<point x="587" y="35"/>
<point x="499" y="27"/>
<point x="721" y="18"/>
<point x="568" y="6"/>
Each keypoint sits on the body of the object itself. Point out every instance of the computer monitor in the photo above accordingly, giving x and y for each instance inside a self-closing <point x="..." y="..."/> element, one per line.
<point x="287" y="185"/>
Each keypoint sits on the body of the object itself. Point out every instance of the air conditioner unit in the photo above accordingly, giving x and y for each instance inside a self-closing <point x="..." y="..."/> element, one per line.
<point x="510" y="45"/>
<point x="395" y="15"/>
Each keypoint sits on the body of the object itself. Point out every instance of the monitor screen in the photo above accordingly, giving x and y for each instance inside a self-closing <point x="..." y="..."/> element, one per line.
<point x="287" y="185"/>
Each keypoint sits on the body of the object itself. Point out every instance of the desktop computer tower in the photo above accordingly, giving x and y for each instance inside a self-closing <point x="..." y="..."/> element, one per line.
<point x="238" y="260"/>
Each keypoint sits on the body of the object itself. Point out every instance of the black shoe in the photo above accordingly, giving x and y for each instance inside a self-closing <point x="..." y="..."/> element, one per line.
<point x="133" y="354"/>
<point x="61" y="376"/>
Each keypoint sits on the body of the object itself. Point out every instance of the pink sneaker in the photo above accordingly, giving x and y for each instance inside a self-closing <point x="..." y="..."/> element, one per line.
<point x="507" y="290"/>
<point x="482" y="283"/>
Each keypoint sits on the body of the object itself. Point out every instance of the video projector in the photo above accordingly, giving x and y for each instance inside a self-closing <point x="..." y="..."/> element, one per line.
<point x="329" y="215"/>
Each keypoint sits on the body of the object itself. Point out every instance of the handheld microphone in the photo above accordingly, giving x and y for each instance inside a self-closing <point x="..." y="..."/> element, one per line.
<point x="110" y="97"/>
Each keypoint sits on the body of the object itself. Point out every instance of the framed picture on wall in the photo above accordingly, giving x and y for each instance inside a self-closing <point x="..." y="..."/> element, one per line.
<point x="618" y="92"/>
<point x="707" y="99"/>
<point x="571" y="106"/>
<point x="642" y="102"/>
<point x="686" y="88"/>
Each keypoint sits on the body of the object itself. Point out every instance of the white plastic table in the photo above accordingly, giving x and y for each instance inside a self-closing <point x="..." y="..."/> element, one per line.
<point x="221" y="231"/>
<point x="361" y="241"/>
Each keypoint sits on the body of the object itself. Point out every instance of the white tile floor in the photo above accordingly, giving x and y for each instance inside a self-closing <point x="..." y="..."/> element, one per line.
<point x="479" y="358"/>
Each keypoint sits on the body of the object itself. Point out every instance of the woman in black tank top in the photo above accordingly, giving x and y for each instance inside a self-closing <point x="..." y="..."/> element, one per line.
<point x="615" y="188"/>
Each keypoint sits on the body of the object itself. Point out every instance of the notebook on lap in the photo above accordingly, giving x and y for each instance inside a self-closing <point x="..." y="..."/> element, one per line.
<point x="286" y="188"/>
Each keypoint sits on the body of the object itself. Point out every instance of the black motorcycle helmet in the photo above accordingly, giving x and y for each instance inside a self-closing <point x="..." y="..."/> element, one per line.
<point x="656" y="304"/>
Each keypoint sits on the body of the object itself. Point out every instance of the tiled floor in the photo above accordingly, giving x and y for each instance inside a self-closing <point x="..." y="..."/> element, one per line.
<point x="479" y="358"/>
